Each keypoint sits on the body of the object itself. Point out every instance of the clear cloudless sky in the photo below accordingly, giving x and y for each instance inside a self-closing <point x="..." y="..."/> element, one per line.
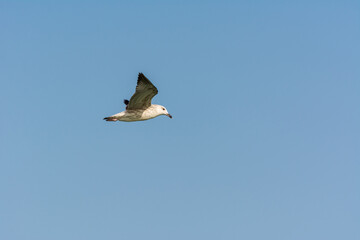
<point x="264" y="143"/>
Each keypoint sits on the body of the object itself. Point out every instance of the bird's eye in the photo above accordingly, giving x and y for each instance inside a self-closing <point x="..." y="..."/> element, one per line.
<point x="164" y="109"/>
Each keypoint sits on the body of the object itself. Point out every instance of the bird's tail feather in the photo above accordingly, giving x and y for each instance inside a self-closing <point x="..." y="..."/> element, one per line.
<point x="110" y="119"/>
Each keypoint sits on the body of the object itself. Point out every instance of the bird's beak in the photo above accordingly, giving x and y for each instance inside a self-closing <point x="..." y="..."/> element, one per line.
<point x="169" y="115"/>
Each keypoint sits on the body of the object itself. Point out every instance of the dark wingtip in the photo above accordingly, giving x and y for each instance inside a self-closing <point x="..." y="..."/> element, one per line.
<point x="110" y="119"/>
<point x="140" y="76"/>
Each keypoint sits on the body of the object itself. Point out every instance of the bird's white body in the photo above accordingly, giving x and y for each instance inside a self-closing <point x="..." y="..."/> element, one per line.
<point x="141" y="114"/>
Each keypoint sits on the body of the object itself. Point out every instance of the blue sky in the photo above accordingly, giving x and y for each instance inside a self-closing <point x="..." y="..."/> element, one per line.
<point x="264" y="143"/>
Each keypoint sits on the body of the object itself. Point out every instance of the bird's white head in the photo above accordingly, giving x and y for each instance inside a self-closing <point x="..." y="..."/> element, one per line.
<point x="161" y="110"/>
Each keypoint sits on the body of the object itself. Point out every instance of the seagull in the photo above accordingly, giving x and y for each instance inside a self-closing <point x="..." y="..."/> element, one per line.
<point x="139" y="108"/>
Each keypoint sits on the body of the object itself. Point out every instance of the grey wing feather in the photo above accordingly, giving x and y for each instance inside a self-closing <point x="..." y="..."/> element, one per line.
<point x="145" y="91"/>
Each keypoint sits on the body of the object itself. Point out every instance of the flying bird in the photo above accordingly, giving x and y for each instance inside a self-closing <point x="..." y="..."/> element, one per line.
<point x="139" y="108"/>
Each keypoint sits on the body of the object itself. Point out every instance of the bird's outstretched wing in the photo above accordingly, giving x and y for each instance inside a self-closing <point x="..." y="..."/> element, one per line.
<point x="145" y="91"/>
